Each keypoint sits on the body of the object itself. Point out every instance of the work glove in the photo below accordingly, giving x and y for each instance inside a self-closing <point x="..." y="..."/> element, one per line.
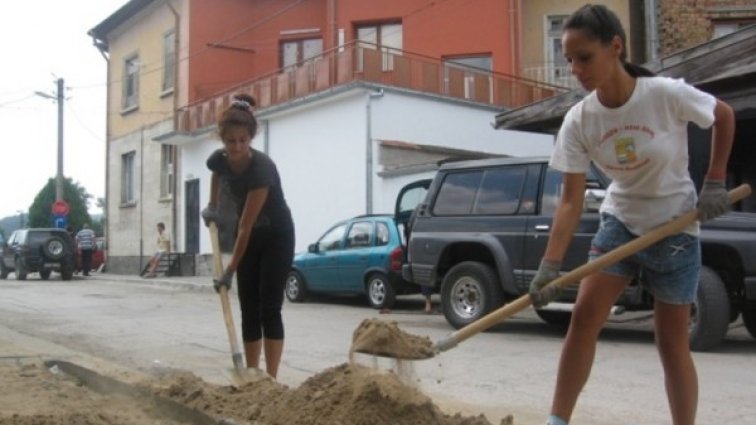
<point x="713" y="200"/>
<point x="225" y="280"/>
<point x="210" y="214"/>
<point x="547" y="271"/>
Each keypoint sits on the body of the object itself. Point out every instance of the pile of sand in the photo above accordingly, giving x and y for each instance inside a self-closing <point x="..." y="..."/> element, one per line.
<point x="347" y="394"/>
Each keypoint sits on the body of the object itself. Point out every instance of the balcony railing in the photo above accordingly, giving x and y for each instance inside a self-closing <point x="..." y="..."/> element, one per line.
<point x="558" y="75"/>
<point x="366" y="62"/>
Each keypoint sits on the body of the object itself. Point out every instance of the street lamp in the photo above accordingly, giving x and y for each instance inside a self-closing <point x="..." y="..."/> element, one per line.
<point x="59" y="98"/>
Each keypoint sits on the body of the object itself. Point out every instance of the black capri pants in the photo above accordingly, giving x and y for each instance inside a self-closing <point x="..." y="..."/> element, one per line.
<point x="261" y="278"/>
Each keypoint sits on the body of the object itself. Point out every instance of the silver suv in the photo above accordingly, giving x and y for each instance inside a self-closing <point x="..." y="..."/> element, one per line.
<point x="40" y="251"/>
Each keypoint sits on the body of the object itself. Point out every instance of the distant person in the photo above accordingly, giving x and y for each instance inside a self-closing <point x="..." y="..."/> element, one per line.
<point x="427" y="293"/>
<point x="264" y="248"/>
<point x="163" y="247"/>
<point x="85" y="241"/>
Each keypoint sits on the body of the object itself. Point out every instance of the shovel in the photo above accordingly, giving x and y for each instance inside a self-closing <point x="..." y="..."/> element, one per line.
<point x="239" y="374"/>
<point x="673" y="227"/>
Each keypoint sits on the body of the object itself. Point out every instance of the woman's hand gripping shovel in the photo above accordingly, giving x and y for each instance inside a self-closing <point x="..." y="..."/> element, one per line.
<point x="240" y="375"/>
<point x="673" y="227"/>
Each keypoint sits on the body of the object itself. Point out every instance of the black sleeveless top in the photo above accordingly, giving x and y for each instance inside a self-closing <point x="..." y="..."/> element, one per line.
<point x="260" y="173"/>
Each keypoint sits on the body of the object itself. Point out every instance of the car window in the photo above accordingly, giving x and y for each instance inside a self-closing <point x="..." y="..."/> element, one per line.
<point x="332" y="239"/>
<point x="382" y="234"/>
<point x="552" y="189"/>
<point x="500" y="191"/>
<point x="359" y="234"/>
<point x="35" y="238"/>
<point x="457" y="193"/>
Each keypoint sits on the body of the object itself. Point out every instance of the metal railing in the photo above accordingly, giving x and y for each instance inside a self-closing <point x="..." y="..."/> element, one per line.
<point x="360" y="61"/>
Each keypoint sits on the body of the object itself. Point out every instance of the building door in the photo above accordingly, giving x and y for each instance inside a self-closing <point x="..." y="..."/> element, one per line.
<point x="192" y="216"/>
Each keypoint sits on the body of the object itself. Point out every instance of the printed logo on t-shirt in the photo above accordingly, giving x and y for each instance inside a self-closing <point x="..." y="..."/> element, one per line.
<point x="624" y="148"/>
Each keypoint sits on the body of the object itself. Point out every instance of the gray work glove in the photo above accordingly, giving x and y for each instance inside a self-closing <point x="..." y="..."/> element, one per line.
<point x="225" y="280"/>
<point x="210" y="214"/>
<point x="713" y="200"/>
<point x="547" y="272"/>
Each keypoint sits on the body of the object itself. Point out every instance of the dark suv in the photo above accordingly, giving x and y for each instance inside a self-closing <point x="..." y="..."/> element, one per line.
<point x="481" y="230"/>
<point x="38" y="251"/>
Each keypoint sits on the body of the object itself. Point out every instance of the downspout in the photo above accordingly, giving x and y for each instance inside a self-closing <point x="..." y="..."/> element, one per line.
<point x="175" y="150"/>
<point x="652" y="32"/>
<point x="141" y="197"/>
<point x="106" y="213"/>
<point x="369" y="150"/>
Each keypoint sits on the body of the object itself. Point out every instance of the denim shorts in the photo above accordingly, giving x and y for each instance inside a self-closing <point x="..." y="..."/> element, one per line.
<point x="667" y="269"/>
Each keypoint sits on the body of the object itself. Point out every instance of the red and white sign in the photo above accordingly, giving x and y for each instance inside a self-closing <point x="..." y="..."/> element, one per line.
<point x="60" y="208"/>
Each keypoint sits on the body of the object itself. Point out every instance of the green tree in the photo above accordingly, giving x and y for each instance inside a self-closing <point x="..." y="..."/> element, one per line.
<point x="40" y="211"/>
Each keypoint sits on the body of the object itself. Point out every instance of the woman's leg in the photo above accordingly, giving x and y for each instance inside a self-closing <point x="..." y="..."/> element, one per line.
<point x="596" y="296"/>
<point x="273" y="353"/>
<point x="680" y="379"/>
<point x="252" y="353"/>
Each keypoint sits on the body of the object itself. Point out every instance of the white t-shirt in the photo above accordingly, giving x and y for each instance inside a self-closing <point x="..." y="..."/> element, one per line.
<point x="642" y="146"/>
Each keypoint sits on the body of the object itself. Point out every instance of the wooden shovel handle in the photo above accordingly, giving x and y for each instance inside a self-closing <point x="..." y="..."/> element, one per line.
<point x="225" y="303"/>
<point x="673" y="227"/>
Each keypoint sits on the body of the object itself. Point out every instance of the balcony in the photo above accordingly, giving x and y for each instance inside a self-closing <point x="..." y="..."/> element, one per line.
<point x="359" y="61"/>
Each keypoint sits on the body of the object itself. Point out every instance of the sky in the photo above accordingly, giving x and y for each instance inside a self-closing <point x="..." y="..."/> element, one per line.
<point x="43" y="40"/>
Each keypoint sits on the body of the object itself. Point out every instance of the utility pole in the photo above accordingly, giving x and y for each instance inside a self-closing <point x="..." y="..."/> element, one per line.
<point x="59" y="98"/>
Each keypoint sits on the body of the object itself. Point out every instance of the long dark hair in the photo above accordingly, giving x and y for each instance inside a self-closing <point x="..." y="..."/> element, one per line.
<point x="597" y="22"/>
<point x="239" y="114"/>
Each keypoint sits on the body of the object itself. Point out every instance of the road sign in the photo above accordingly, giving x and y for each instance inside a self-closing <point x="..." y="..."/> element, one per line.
<point x="60" y="208"/>
<point x="60" y="222"/>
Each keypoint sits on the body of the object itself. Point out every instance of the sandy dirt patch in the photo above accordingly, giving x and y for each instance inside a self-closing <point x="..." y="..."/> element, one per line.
<point x="384" y="338"/>
<point x="348" y="394"/>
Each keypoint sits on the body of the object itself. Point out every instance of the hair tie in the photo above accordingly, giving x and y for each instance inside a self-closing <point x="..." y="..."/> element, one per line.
<point x="241" y="104"/>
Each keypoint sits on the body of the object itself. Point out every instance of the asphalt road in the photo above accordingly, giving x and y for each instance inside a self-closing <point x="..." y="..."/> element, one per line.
<point x="177" y="323"/>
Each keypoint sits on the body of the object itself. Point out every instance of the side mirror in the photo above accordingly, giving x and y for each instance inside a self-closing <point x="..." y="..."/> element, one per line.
<point x="313" y="248"/>
<point x="593" y="199"/>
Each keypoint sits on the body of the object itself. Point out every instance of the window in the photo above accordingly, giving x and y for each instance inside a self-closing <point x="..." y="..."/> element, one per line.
<point x="359" y="234"/>
<point x="297" y="51"/>
<point x="385" y="37"/>
<point x="722" y="28"/>
<point x="332" y="239"/>
<point x="482" y="62"/>
<point x="131" y="83"/>
<point x="382" y="234"/>
<point x="167" y="156"/>
<point x="169" y="61"/>
<point x="556" y="62"/>
<point x="127" y="178"/>
<point x="487" y="192"/>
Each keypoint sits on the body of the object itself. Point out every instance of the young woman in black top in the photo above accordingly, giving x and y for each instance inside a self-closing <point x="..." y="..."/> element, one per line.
<point x="264" y="247"/>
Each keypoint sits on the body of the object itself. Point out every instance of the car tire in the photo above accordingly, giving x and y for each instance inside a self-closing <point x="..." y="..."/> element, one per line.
<point x="380" y="293"/>
<point x="555" y="317"/>
<point x="749" y="320"/>
<point x="710" y="312"/>
<point x="45" y="274"/>
<point x="469" y="291"/>
<point x="20" y="269"/>
<point x="66" y="273"/>
<point x="54" y="248"/>
<point x="4" y="272"/>
<point x="296" y="290"/>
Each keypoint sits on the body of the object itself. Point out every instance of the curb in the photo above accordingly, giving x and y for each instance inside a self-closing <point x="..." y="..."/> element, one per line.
<point x="168" y="282"/>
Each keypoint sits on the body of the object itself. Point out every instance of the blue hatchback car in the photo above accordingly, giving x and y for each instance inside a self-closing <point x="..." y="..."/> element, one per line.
<point x="362" y="255"/>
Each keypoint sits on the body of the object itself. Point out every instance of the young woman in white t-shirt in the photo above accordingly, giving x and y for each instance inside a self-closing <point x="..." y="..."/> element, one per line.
<point x="633" y="126"/>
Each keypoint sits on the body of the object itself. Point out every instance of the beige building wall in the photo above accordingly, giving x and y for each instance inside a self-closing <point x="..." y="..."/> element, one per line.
<point x="534" y="57"/>
<point x="132" y="225"/>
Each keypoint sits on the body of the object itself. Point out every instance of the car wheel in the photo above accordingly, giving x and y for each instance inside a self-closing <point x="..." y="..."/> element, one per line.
<point x="749" y="319"/>
<point x="45" y="274"/>
<point x="380" y="292"/>
<point x="295" y="287"/>
<point x="555" y="317"/>
<point x="710" y="312"/>
<point x="54" y="248"/>
<point x="470" y="290"/>
<point x="66" y="273"/>
<point x="20" y="269"/>
<point x="3" y="270"/>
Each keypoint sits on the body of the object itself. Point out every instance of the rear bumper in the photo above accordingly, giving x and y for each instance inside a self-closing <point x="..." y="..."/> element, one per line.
<point x="750" y="288"/>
